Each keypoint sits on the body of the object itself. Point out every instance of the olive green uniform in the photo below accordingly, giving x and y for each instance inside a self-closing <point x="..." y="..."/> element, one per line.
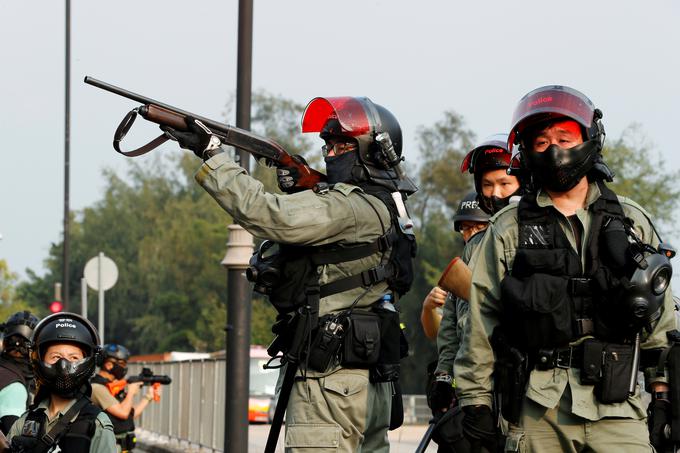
<point x="558" y="414"/>
<point x="339" y="410"/>
<point x="454" y="318"/>
<point x="103" y="439"/>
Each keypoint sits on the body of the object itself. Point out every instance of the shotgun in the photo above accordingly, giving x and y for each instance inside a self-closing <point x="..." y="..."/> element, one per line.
<point x="167" y="115"/>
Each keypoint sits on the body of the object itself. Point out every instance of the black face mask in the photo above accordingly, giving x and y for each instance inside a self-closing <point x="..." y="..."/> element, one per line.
<point x="342" y="168"/>
<point x="118" y="371"/>
<point x="491" y="205"/>
<point x="559" y="169"/>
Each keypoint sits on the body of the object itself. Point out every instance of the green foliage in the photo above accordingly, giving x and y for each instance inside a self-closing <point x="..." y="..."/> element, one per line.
<point x="641" y="174"/>
<point x="442" y="148"/>
<point x="10" y="302"/>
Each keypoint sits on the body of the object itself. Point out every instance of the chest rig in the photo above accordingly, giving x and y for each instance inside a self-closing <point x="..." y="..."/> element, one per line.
<point x="550" y="298"/>
<point x="70" y="437"/>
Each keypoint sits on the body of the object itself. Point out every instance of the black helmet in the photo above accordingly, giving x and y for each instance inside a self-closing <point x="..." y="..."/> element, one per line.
<point x="469" y="210"/>
<point x="557" y="168"/>
<point x="492" y="153"/>
<point x="17" y="331"/>
<point x="115" y="351"/>
<point x="65" y="378"/>
<point x="374" y="129"/>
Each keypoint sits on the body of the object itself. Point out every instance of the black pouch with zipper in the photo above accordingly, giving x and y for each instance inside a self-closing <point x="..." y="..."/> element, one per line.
<point x="617" y="366"/>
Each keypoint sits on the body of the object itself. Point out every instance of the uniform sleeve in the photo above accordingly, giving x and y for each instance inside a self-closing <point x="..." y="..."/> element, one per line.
<point x="474" y="361"/>
<point x="102" y="398"/>
<point x="300" y="218"/>
<point x="13" y="400"/>
<point x="103" y="440"/>
<point x="16" y="428"/>
<point x="447" y="337"/>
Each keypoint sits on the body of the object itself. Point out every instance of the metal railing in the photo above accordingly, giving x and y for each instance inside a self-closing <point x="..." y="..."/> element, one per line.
<point x="191" y="411"/>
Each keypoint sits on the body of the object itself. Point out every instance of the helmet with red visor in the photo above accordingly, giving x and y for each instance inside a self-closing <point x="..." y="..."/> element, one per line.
<point x="557" y="168"/>
<point x="363" y="123"/>
<point x="490" y="154"/>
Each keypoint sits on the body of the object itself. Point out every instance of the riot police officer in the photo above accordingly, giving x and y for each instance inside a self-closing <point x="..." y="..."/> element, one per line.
<point x="116" y="397"/>
<point x="551" y="286"/>
<point x="17" y="384"/>
<point x="345" y="249"/>
<point x="64" y="352"/>
<point x="488" y="162"/>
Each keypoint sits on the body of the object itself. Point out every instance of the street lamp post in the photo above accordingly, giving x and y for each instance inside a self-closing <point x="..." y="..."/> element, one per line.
<point x="239" y="251"/>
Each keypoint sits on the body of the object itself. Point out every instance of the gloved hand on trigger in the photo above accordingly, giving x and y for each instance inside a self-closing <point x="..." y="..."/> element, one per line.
<point x="198" y="138"/>
<point x="287" y="176"/>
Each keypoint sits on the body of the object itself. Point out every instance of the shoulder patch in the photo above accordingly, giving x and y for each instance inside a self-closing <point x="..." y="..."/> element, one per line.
<point x="346" y="189"/>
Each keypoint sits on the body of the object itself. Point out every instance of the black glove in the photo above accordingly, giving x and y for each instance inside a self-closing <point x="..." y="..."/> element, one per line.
<point x="198" y="138"/>
<point x="287" y="176"/>
<point x="442" y="394"/>
<point x="658" y="416"/>
<point x="479" y="428"/>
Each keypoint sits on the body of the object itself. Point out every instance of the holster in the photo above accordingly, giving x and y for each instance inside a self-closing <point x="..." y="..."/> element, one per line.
<point x="511" y="375"/>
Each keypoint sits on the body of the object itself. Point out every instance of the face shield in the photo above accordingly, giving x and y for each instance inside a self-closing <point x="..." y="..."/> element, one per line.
<point x="496" y="141"/>
<point x="354" y="114"/>
<point x="550" y="102"/>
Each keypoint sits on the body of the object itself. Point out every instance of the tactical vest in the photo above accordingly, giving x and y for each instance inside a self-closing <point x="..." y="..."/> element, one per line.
<point x="77" y="438"/>
<point x="299" y="279"/>
<point x="549" y="299"/>
<point x="120" y="426"/>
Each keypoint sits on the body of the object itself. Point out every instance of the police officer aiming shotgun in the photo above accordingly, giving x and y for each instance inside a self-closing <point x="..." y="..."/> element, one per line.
<point x="339" y="259"/>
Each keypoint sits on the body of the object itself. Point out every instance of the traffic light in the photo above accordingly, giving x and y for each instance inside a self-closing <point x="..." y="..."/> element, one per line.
<point x="57" y="305"/>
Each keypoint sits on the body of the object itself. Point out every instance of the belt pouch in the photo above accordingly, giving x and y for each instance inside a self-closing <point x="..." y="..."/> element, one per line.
<point x="617" y="365"/>
<point x="591" y="367"/>
<point x="326" y="345"/>
<point x="362" y="340"/>
<point x="391" y="347"/>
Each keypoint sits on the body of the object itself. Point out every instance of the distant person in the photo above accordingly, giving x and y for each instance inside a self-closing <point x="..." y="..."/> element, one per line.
<point x="116" y="397"/>
<point x="17" y="384"/>
<point x="64" y="354"/>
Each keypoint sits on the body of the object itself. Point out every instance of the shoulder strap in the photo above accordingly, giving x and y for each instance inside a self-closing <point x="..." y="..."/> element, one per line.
<point x="48" y="440"/>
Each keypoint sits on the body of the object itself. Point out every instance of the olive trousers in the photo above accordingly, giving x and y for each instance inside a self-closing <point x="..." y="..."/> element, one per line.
<point x="340" y="412"/>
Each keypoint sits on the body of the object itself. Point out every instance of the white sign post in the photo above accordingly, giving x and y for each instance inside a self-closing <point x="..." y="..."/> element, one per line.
<point x="101" y="273"/>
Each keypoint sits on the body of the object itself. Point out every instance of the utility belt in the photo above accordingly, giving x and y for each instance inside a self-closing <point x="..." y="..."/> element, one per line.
<point x="610" y="367"/>
<point x="370" y="340"/>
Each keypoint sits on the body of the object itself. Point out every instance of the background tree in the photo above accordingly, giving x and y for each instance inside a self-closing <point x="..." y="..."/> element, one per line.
<point x="9" y="301"/>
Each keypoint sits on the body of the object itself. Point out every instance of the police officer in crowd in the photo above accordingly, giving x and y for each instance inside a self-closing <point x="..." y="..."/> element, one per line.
<point x="488" y="162"/>
<point x="17" y="384"/>
<point x="494" y="187"/>
<point x="345" y="247"/>
<point x="469" y="220"/>
<point x="550" y="296"/>
<point x="64" y="353"/>
<point x="116" y="397"/>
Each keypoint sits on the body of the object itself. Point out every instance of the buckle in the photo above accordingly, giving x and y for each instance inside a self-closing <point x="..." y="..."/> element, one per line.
<point x="563" y="358"/>
<point x="47" y="439"/>
<point x="579" y="286"/>
<point x="373" y="276"/>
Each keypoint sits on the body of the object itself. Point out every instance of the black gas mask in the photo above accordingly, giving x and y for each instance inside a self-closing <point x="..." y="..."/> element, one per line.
<point x="646" y="290"/>
<point x="491" y="205"/>
<point x="265" y="267"/>
<point x="560" y="169"/>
